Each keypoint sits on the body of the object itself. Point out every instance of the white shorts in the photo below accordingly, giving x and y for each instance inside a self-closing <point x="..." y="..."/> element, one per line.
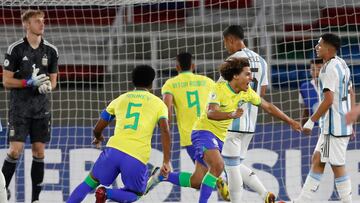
<point x="236" y="144"/>
<point x="332" y="149"/>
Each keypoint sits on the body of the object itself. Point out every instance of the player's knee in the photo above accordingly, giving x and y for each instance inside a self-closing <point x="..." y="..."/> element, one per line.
<point x="14" y="153"/>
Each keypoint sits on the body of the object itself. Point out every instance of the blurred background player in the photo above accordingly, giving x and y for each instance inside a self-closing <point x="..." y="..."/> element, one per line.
<point x="127" y="152"/>
<point x="243" y="128"/>
<point x="337" y="98"/>
<point x="308" y="93"/>
<point x="29" y="112"/>
<point x="188" y="92"/>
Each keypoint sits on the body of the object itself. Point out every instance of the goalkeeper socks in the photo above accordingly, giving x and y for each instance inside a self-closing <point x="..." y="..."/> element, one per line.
<point x="82" y="190"/>
<point x="343" y="186"/>
<point x="121" y="195"/>
<point x="180" y="178"/>
<point x="37" y="177"/>
<point x="311" y="185"/>
<point x="8" y="169"/>
<point x="250" y="179"/>
<point x="207" y="186"/>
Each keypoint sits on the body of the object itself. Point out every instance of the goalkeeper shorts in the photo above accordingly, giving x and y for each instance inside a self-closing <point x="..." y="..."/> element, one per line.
<point x="19" y="128"/>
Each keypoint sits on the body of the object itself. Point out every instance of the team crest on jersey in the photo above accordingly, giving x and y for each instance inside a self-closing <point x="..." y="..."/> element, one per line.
<point x="213" y="96"/>
<point x="44" y="60"/>
<point x="241" y="102"/>
<point x="6" y="63"/>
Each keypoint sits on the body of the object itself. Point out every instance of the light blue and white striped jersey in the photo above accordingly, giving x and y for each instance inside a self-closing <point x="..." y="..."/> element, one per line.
<point x="247" y="122"/>
<point x="335" y="76"/>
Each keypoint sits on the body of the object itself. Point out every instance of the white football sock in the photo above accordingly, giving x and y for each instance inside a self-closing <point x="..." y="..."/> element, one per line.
<point x="343" y="186"/>
<point x="310" y="186"/>
<point x="250" y="179"/>
<point x="235" y="182"/>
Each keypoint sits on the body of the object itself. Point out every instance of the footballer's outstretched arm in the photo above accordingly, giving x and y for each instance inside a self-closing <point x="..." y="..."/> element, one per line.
<point x="166" y="145"/>
<point x="305" y="116"/>
<point x="274" y="111"/>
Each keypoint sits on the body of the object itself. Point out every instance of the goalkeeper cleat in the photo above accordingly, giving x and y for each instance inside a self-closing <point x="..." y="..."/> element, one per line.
<point x="270" y="198"/>
<point x="154" y="179"/>
<point x="100" y="194"/>
<point x="223" y="189"/>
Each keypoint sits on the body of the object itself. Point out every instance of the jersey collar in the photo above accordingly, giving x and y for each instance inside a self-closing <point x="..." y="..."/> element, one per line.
<point x="141" y="89"/>
<point x="186" y="72"/>
<point x="230" y="88"/>
<point x="28" y="44"/>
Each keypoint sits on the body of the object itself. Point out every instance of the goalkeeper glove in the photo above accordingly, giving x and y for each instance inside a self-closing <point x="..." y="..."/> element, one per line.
<point x="35" y="80"/>
<point x="45" y="87"/>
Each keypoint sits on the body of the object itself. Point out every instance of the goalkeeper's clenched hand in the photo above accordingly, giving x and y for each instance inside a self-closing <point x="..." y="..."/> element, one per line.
<point x="45" y="87"/>
<point x="36" y="80"/>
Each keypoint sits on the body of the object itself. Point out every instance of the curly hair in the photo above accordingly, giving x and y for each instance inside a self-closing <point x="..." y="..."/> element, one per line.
<point x="233" y="66"/>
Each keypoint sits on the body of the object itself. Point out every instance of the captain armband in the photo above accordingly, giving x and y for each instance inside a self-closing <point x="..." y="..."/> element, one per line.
<point x="106" y="116"/>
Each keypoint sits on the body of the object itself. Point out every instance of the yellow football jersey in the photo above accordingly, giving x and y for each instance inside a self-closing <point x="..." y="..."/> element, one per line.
<point x="190" y="92"/>
<point x="223" y="95"/>
<point x="137" y="114"/>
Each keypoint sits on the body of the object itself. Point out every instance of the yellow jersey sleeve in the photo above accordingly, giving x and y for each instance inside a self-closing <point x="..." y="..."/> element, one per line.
<point x="163" y="111"/>
<point x="167" y="89"/>
<point x="255" y="99"/>
<point x="111" y="107"/>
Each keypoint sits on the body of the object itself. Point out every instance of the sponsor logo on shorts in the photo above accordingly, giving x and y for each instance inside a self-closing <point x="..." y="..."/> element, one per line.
<point x="215" y="142"/>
